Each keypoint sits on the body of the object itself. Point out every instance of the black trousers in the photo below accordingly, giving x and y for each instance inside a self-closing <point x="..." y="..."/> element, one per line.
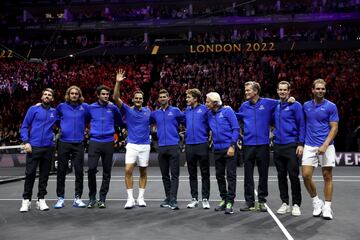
<point x="223" y="163"/>
<point x="104" y="150"/>
<point x="75" y="153"/>
<point x="287" y="162"/>
<point x="41" y="156"/>
<point x="260" y="155"/>
<point x="168" y="157"/>
<point x="198" y="153"/>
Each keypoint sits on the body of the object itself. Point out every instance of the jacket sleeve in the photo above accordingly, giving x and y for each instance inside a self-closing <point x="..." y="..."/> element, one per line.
<point x="26" y="125"/>
<point x="300" y="122"/>
<point x="234" y="125"/>
<point x="180" y="117"/>
<point x="152" y="118"/>
<point x="239" y="114"/>
<point x="118" y="117"/>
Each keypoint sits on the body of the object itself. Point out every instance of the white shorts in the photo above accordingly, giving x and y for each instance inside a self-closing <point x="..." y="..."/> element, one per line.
<point x="138" y="153"/>
<point x="311" y="158"/>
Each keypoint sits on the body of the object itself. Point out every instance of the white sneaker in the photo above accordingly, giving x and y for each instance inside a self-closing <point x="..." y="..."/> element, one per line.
<point x="41" y="205"/>
<point x="205" y="204"/>
<point x="284" y="208"/>
<point x="130" y="203"/>
<point x="60" y="203"/>
<point x="327" y="213"/>
<point x="141" y="202"/>
<point x="193" y="204"/>
<point x="317" y="205"/>
<point x="78" y="203"/>
<point x="25" y="205"/>
<point x="296" y="210"/>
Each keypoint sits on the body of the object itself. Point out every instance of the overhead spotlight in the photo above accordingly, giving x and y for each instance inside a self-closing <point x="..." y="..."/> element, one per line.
<point x="71" y="55"/>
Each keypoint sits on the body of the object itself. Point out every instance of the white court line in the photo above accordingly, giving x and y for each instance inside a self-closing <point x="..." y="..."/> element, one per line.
<point x="278" y="222"/>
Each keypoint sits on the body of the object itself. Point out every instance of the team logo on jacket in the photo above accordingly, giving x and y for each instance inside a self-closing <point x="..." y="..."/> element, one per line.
<point x="109" y="111"/>
<point x="199" y="111"/>
<point x="287" y="108"/>
<point x="221" y="115"/>
<point x="51" y="115"/>
<point x="81" y="108"/>
<point x="170" y="114"/>
<point x="261" y="107"/>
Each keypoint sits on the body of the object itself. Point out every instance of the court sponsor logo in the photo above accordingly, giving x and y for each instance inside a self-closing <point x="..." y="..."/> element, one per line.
<point x="347" y="159"/>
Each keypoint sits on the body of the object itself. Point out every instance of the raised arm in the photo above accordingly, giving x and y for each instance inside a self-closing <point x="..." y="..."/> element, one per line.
<point x="120" y="76"/>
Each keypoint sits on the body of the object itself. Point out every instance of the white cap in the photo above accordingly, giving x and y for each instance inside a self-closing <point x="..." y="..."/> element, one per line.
<point x="214" y="97"/>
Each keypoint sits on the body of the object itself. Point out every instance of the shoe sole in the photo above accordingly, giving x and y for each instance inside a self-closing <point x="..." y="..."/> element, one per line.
<point x="25" y="211"/>
<point x="140" y="205"/>
<point x="282" y="213"/>
<point x="192" y="207"/>
<point x="77" y="206"/>
<point x="327" y="218"/>
<point x="229" y="212"/>
<point x="248" y="210"/>
<point x="59" y="207"/>
<point x="46" y="209"/>
<point x="129" y="207"/>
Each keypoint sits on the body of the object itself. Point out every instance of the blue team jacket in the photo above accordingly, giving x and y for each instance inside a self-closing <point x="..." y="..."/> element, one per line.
<point x="72" y="121"/>
<point x="257" y="119"/>
<point x="224" y="127"/>
<point x="37" y="128"/>
<point x="197" y="126"/>
<point x="103" y="118"/>
<point x="167" y="123"/>
<point x="289" y="123"/>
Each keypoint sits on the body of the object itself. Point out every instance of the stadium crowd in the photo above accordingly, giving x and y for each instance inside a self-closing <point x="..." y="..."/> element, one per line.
<point x="21" y="81"/>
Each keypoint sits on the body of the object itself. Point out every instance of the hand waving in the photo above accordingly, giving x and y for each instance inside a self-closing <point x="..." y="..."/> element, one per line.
<point x="120" y="75"/>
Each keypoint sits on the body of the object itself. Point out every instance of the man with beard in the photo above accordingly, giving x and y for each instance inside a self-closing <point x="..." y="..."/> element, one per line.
<point x="167" y="119"/>
<point x="321" y="128"/>
<point x="37" y="134"/>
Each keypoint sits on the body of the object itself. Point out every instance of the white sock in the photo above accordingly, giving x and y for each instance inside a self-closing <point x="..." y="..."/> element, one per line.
<point x="316" y="198"/>
<point x="141" y="192"/>
<point x="130" y="193"/>
<point x="327" y="204"/>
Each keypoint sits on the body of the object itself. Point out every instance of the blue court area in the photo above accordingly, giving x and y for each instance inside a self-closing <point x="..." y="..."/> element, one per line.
<point x="154" y="222"/>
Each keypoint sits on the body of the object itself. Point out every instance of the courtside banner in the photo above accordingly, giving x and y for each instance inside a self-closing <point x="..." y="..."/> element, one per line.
<point x="18" y="160"/>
